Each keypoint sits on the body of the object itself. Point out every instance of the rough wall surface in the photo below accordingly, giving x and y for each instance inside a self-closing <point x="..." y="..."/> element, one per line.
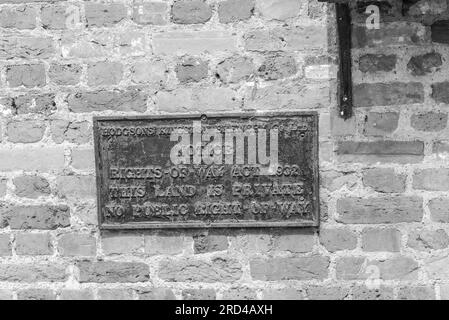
<point x="384" y="173"/>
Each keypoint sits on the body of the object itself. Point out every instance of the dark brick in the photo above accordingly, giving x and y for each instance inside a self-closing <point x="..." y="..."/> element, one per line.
<point x="377" y="62"/>
<point x="383" y="151"/>
<point x="429" y="121"/>
<point x="440" y="31"/>
<point x="38" y="217"/>
<point x="384" y="209"/>
<point x="304" y="268"/>
<point x="388" y="94"/>
<point x="425" y="64"/>
<point x="111" y="271"/>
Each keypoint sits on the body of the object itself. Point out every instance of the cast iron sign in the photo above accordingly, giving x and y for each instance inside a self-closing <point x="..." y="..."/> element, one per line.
<point x="231" y="170"/>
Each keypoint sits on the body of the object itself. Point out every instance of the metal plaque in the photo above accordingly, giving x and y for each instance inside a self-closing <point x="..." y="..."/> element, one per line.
<point x="227" y="170"/>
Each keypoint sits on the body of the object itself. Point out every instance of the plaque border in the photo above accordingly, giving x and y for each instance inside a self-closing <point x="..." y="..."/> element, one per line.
<point x="315" y="222"/>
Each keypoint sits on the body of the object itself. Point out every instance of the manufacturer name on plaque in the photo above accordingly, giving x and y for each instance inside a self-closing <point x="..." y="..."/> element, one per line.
<point x="240" y="170"/>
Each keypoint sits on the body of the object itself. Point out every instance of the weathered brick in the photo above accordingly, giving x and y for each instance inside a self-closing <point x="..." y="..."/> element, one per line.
<point x="350" y="268"/>
<point x="21" y="17"/>
<point x="234" y="69"/>
<point x="65" y="74"/>
<point x="194" y="270"/>
<point x="371" y="63"/>
<point x="83" y="159"/>
<point x="199" y="294"/>
<point x="117" y="100"/>
<point x="383" y="209"/>
<point x="335" y="180"/>
<point x="252" y="243"/>
<point x="384" y="180"/>
<point x="436" y="267"/>
<point x="76" y="186"/>
<point x="166" y="243"/>
<point x="33" y="244"/>
<point x="416" y="293"/>
<point x="74" y="132"/>
<point x="235" y="10"/>
<point x="114" y="294"/>
<point x="43" y="159"/>
<point x="153" y="13"/>
<point x="96" y="45"/>
<point x="418" y="8"/>
<point x="316" y="10"/>
<point x="283" y="294"/>
<point x="75" y="245"/>
<point x="132" y="43"/>
<point x="215" y="99"/>
<point x="5" y="245"/>
<point x="193" y="43"/>
<point x="239" y="293"/>
<point x="36" y="294"/>
<point x="104" y="15"/>
<point x="387" y="239"/>
<point x="31" y="186"/>
<point x="26" y="48"/>
<point x="429" y="121"/>
<point x="301" y="38"/>
<point x="32" y="272"/>
<point x="391" y="34"/>
<point x="327" y="293"/>
<point x="338" y="239"/>
<point x="191" y="11"/>
<point x="25" y="131"/>
<point x="388" y="94"/>
<point x="200" y="100"/>
<point x="278" y="9"/>
<point x="439" y="31"/>
<point x="277" y="66"/>
<point x="154" y="73"/>
<point x="123" y="243"/>
<point x="209" y="242"/>
<point x="398" y="268"/>
<point x="57" y="16"/>
<point x="288" y="96"/>
<point x="111" y="271"/>
<point x="440" y="92"/>
<point x="441" y="149"/>
<point x="425" y="239"/>
<point x="431" y="179"/>
<point x="425" y="64"/>
<point x="104" y="73"/>
<point x="37" y="217"/>
<point x="301" y="268"/>
<point x="76" y="295"/>
<point x="156" y="294"/>
<point x="380" y="151"/>
<point x="297" y="241"/>
<point x="27" y="75"/>
<point x="394" y="268"/>
<point x="439" y="209"/>
<point x="365" y="293"/>
<point x="32" y="104"/>
<point x="379" y="124"/>
<point x="191" y="70"/>
<point x="320" y="72"/>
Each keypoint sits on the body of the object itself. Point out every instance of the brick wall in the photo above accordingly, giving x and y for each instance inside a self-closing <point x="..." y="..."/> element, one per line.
<point x="384" y="173"/>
